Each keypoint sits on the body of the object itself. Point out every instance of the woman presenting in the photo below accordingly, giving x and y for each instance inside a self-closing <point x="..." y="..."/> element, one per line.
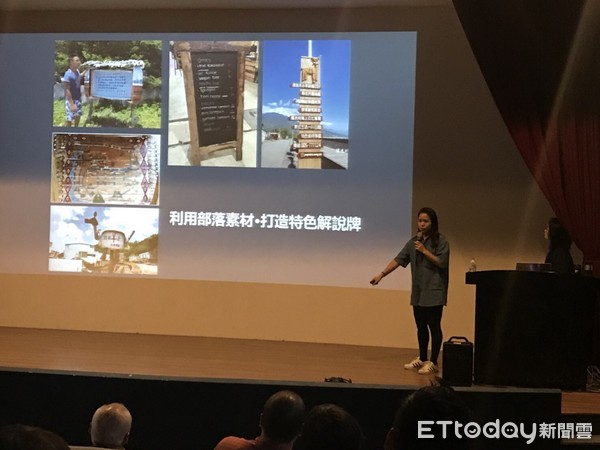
<point x="428" y="254"/>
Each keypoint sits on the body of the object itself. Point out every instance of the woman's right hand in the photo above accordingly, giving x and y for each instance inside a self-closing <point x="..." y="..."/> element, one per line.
<point x="376" y="279"/>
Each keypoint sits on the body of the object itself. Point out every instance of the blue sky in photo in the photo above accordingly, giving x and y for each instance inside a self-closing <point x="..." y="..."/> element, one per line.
<point x="67" y="223"/>
<point x="281" y="67"/>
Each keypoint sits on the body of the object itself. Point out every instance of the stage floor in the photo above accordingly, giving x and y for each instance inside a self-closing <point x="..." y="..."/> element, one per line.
<point x="139" y="355"/>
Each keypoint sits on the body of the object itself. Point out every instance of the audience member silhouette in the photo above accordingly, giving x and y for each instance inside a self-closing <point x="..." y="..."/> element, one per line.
<point x="559" y="247"/>
<point x="111" y="425"/>
<point x="330" y="427"/>
<point x="280" y="424"/>
<point x="23" y="437"/>
<point x="431" y="403"/>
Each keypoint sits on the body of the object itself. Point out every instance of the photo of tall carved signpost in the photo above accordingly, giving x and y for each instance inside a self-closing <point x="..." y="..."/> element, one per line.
<point x="305" y="104"/>
<point x="309" y="142"/>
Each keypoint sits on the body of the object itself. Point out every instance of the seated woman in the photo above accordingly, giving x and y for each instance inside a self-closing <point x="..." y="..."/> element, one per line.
<point x="559" y="246"/>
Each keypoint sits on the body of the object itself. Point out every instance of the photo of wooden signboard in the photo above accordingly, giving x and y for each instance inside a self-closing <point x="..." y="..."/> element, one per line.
<point x="105" y="168"/>
<point x="214" y="75"/>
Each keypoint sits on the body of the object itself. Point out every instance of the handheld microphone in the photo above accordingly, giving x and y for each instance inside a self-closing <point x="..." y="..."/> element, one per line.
<point x="419" y="253"/>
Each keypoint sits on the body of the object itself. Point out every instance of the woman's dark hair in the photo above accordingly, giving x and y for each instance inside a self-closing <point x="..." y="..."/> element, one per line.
<point x="330" y="427"/>
<point x="558" y="237"/>
<point x="432" y="403"/>
<point x="23" y="437"/>
<point x="435" y="233"/>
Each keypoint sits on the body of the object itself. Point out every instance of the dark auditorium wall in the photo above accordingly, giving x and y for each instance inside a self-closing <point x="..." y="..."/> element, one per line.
<point x="465" y="166"/>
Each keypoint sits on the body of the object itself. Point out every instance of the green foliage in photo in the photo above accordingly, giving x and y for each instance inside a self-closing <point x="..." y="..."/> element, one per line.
<point x="145" y="115"/>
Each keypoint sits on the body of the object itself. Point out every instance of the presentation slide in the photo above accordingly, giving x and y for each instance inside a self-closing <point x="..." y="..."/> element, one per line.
<point x="280" y="158"/>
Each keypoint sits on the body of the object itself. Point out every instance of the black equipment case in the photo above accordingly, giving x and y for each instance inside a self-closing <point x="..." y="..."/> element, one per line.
<point x="457" y="361"/>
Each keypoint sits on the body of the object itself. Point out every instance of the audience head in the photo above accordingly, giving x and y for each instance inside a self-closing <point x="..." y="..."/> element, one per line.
<point x="282" y="416"/>
<point x="557" y="235"/>
<point x="330" y="427"/>
<point x="110" y="426"/>
<point x="22" y="437"/>
<point x="431" y="403"/>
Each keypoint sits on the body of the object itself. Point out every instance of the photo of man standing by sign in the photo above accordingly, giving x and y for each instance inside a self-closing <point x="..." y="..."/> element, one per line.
<point x="113" y="84"/>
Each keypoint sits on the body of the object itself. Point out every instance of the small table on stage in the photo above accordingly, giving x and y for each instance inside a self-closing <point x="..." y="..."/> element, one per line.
<point x="533" y="329"/>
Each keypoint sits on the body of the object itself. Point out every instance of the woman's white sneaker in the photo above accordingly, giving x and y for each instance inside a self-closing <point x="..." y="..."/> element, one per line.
<point x="428" y="367"/>
<point x="414" y="364"/>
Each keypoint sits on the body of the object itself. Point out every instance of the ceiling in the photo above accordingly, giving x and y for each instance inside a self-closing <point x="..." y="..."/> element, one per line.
<point x="60" y="5"/>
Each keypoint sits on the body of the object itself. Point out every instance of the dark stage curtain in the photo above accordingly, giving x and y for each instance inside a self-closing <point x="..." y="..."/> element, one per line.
<point x="541" y="62"/>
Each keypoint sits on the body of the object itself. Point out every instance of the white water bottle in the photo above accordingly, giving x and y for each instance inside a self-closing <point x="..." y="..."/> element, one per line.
<point x="472" y="265"/>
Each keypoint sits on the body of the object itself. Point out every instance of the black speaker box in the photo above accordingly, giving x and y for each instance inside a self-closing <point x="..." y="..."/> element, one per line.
<point x="457" y="361"/>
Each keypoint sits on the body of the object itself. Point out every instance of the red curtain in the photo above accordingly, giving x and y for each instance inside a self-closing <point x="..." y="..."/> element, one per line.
<point x="541" y="62"/>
